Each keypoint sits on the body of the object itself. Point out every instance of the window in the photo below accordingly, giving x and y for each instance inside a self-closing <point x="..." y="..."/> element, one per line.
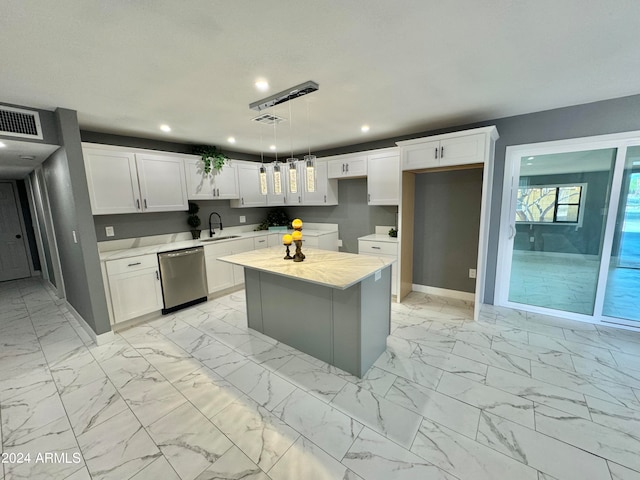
<point x="551" y="204"/>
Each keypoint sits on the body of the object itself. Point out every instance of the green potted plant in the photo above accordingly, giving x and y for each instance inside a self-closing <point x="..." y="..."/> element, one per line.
<point x="211" y="157"/>
<point x="193" y="220"/>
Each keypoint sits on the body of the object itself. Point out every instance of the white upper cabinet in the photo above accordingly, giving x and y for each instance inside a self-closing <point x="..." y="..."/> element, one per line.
<point x="122" y="181"/>
<point x="218" y="185"/>
<point x="348" y="166"/>
<point x="112" y="180"/>
<point x="277" y="184"/>
<point x="462" y="150"/>
<point x="249" y="186"/>
<point x="443" y="151"/>
<point x="225" y="182"/>
<point x="383" y="178"/>
<point x="162" y="183"/>
<point x="326" y="190"/>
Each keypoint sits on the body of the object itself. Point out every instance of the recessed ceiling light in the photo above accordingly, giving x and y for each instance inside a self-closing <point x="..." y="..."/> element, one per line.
<point x="27" y="157"/>
<point x="231" y="139"/>
<point x="262" y="85"/>
<point x="272" y="147"/>
<point x="529" y="163"/>
<point x="2" y="145"/>
<point x="364" y="128"/>
<point x="165" y="128"/>
<point x="530" y="158"/>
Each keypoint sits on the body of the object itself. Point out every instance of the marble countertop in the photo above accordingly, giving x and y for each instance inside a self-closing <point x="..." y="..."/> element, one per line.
<point x="376" y="237"/>
<point x="178" y="245"/>
<point x="323" y="267"/>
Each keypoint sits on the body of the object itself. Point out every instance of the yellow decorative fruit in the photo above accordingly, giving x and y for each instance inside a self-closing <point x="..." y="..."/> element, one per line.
<point x="287" y="239"/>
<point x="297" y="223"/>
<point x="297" y="235"/>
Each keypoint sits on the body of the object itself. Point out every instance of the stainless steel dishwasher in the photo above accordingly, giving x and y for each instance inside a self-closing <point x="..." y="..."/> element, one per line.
<point x="184" y="278"/>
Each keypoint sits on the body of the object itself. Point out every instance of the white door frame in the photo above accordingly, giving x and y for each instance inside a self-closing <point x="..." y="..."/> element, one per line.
<point x="507" y="225"/>
<point x="42" y="196"/>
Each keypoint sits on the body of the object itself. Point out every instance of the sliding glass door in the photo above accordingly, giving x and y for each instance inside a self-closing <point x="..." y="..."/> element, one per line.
<point x="570" y="229"/>
<point x="622" y="294"/>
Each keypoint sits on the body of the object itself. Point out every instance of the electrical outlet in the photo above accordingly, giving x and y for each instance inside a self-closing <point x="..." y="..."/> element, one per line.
<point x="339" y="242"/>
<point x="532" y="239"/>
<point x="472" y="273"/>
<point x="243" y="219"/>
<point x="109" y="231"/>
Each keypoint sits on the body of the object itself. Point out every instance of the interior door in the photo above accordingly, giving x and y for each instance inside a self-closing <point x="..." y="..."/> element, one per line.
<point x="14" y="262"/>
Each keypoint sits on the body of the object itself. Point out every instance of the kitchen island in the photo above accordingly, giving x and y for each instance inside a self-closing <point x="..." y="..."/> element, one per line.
<point x="333" y="306"/>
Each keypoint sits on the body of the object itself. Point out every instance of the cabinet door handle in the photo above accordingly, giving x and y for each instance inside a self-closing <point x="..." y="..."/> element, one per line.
<point x="299" y="199"/>
<point x="145" y="203"/>
<point x="347" y="168"/>
<point x="441" y="152"/>
<point x="138" y="204"/>
<point x="134" y="264"/>
<point x="376" y="248"/>
<point x="261" y="241"/>
<point x="325" y="199"/>
<point x="436" y="153"/>
<point x="368" y="197"/>
<point x="218" y="190"/>
<point x="242" y="200"/>
<point x="157" y="276"/>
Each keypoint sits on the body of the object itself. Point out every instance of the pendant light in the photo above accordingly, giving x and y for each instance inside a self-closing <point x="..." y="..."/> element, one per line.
<point x="262" y="172"/>
<point x="277" y="177"/>
<point x="310" y="162"/>
<point x="292" y="161"/>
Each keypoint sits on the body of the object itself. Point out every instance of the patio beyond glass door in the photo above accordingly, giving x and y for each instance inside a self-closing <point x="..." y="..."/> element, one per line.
<point x="558" y="231"/>
<point x="622" y="292"/>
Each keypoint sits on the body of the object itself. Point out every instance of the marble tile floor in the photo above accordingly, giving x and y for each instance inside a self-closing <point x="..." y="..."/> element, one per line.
<point x="196" y="395"/>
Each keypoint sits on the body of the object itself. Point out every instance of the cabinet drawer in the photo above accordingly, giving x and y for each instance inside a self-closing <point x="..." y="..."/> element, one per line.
<point x="132" y="264"/>
<point x="260" y="242"/>
<point x="377" y="248"/>
<point x="311" y="242"/>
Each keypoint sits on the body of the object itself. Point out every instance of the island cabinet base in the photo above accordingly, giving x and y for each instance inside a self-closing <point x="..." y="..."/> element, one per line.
<point x="345" y="328"/>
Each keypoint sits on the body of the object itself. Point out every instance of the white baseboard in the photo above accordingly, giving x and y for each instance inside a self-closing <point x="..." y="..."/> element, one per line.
<point x="443" y="292"/>
<point x="98" y="339"/>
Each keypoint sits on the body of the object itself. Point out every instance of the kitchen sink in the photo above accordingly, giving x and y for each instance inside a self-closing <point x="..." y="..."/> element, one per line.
<point x="216" y="239"/>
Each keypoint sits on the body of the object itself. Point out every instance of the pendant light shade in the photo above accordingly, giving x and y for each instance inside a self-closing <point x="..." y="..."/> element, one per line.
<point x="310" y="170"/>
<point x="293" y="174"/>
<point x="263" y="180"/>
<point x="277" y="179"/>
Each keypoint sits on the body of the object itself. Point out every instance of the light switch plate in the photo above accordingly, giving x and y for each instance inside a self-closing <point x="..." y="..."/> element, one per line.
<point x="472" y="273"/>
<point x="109" y="231"/>
<point x="243" y="219"/>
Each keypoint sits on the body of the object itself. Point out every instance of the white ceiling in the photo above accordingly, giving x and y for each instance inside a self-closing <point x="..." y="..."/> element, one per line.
<point x="401" y="67"/>
<point x="18" y="158"/>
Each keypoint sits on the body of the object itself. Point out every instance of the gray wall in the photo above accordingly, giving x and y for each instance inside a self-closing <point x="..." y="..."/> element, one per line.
<point x="70" y="209"/>
<point x="152" y="144"/>
<point x="446" y="228"/>
<point x="353" y="216"/>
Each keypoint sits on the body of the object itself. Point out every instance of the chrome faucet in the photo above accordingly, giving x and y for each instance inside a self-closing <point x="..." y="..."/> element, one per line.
<point x="211" y="232"/>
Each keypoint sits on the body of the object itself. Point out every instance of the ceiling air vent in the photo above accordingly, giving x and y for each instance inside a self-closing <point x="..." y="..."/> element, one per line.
<point x="16" y="122"/>
<point x="269" y="119"/>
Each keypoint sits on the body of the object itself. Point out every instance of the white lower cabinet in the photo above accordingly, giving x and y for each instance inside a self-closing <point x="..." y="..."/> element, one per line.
<point x="222" y="275"/>
<point x="219" y="274"/>
<point x="382" y="249"/>
<point x="134" y="284"/>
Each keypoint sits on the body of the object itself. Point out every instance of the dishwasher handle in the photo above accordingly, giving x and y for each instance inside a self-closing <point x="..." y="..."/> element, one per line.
<point x="182" y="253"/>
